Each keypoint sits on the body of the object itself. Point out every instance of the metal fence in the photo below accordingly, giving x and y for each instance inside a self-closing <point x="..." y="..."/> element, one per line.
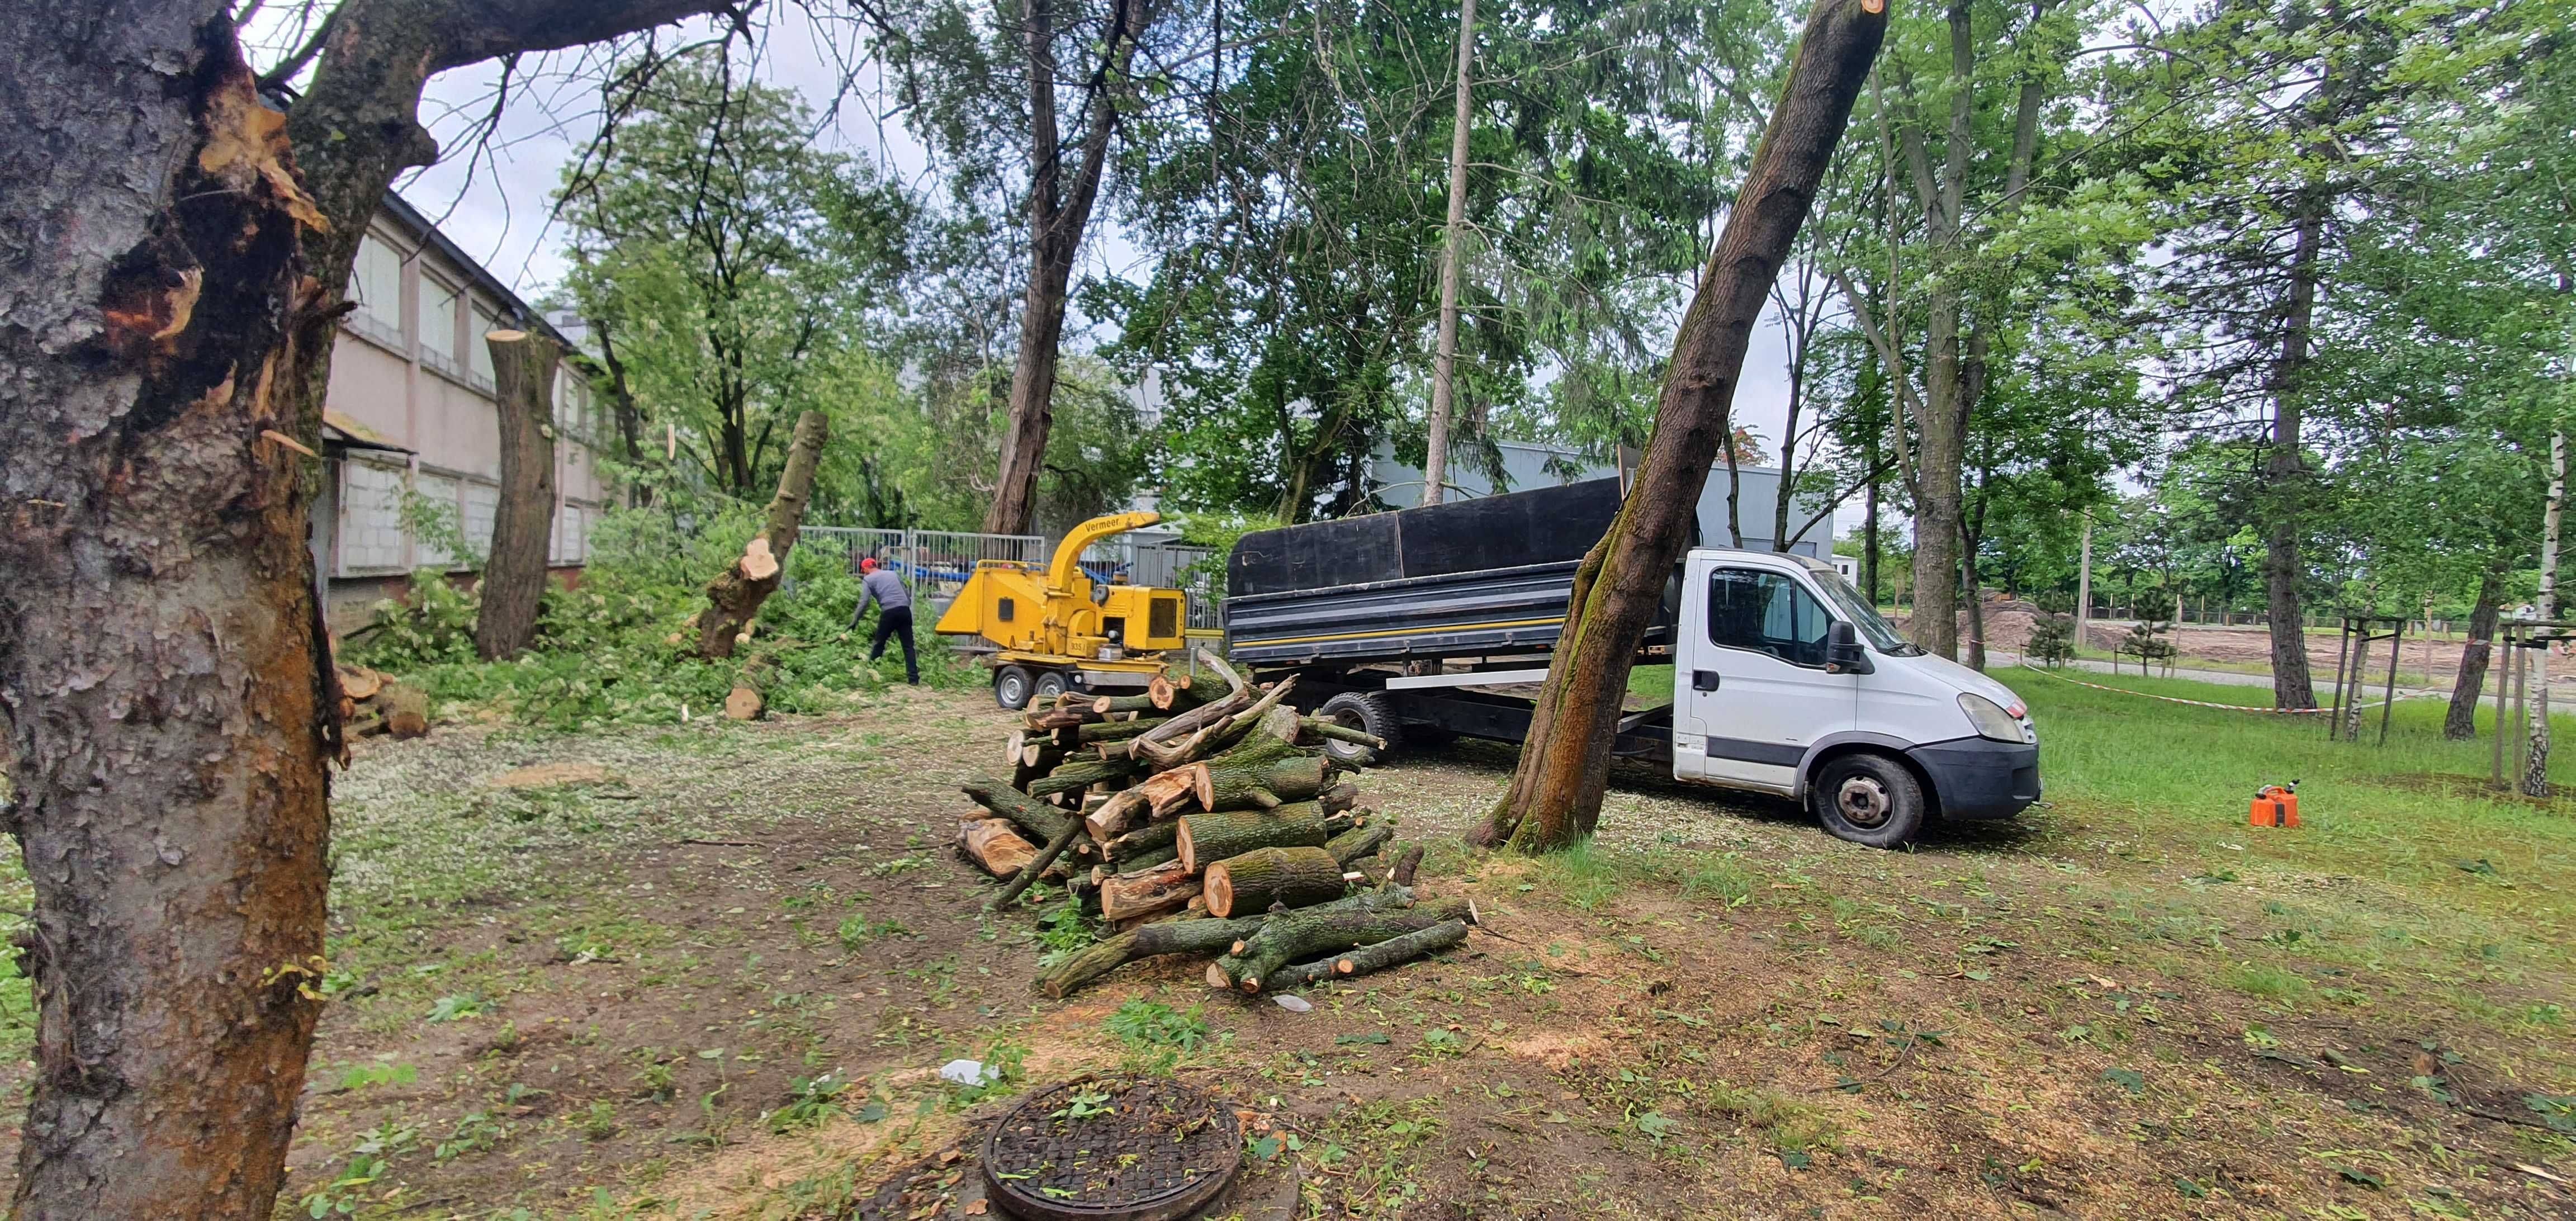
<point x="935" y="563"/>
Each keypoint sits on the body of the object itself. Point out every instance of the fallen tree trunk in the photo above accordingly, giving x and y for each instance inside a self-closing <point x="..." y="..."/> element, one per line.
<point x="1209" y="837"/>
<point x="1266" y="785"/>
<point x="734" y="597"/>
<point x="994" y="845"/>
<point x="1153" y="940"/>
<point x="1392" y="952"/>
<point x="1258" y="880"/>
<point x="1042" y="821"/>
<point x="1146" y="891"/>
<point x="1296" y="935"/>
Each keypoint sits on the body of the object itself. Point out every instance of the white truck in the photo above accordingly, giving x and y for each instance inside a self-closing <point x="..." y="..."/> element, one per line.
<point x="1429" y="623"/>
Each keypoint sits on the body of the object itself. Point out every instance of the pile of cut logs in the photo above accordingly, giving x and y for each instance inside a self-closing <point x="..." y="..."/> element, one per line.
<point x="372" y="703"/>
<point x="1201" y="817"/>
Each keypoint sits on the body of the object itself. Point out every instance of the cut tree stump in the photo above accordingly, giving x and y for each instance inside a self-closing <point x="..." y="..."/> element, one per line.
<point x="361" y="684"/>
<point x="1392" y="952"/>
<point x="1257" y="880"/>
<point x="995" y="845"/>
<point x="735" y="595"/>
<point x="744" y="704"/>
<point x="523" y="514"/>
<point x="1164" y="886"/>
<point x="406" y="710"/>
<point x="1207" y="837"/>
<point x="1041" y="821"/>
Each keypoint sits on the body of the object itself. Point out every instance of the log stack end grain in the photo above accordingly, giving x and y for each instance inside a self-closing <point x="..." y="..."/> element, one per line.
<point x="1195" y="820"/>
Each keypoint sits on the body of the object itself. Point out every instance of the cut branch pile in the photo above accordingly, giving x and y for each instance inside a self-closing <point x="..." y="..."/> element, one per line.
<point x="372" y="703"/>
<point x="1202" y="817"/>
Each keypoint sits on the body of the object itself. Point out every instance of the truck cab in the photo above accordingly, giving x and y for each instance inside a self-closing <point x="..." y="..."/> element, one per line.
<point x="1786" y="681"/>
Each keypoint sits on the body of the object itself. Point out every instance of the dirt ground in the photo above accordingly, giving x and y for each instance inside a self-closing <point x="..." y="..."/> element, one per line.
<point x="601" y="976"/>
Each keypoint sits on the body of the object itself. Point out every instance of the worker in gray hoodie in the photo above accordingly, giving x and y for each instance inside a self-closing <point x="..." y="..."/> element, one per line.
<point x="894" y="613"/>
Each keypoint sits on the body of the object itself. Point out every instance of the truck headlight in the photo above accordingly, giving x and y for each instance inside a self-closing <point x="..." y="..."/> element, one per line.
<point x="1990" y="719"/>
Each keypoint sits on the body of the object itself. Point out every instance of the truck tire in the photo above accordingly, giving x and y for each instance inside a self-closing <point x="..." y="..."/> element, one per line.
<point x="1868" y="799"/>
<point x="1369" y="712"/>
<point x="1011" y="688"/>
<point x="1050" y="685"/>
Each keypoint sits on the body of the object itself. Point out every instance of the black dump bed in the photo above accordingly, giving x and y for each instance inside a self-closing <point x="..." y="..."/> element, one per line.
<point x="1481" y="576"/>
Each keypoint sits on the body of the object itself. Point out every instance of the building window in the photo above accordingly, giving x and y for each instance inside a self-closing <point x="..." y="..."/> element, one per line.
<point x="482" y="504"/>
<point x="376" y="285"/>
<point x="440" y="491"/>
<point x="478" y="353"/>
<point x="438" y="309"/>
<point x="371" y="528"/>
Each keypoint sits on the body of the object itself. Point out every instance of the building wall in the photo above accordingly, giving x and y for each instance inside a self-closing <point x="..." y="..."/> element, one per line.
<point x="1526" y="465"/>
<point x="410" y="369"/>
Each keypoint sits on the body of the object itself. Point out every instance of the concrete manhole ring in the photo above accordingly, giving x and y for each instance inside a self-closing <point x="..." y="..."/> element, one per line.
<point x="1104" y="1148"/>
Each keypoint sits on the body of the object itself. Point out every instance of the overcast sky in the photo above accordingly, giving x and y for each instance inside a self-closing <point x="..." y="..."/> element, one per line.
<point x="494" y="204"/>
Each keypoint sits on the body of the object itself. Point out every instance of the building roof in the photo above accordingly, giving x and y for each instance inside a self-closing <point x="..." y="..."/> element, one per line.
<point x="423" y="230"/>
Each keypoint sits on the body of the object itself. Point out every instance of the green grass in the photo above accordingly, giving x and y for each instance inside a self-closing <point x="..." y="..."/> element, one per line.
<point x="2402" y="852"/>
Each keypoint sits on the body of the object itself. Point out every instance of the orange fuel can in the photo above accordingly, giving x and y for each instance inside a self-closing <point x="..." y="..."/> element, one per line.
<point x="2276" y="806"/>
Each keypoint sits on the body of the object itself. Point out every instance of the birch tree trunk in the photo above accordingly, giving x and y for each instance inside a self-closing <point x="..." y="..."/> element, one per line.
<point x="1444" y="363"/>
<point x="161" y="653"/>
<point x="1555" y="795"/>
<point x="2535" y="771"/>
<point x="514" y="573"/>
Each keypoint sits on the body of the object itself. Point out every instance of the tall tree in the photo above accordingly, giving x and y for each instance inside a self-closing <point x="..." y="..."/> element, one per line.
<point x="1555" y="795"/>
<point x="164" y="666"/>
<point x="1060" y="199"/>
<point x="514" y="569"/>
<point x="1444" y="366"/>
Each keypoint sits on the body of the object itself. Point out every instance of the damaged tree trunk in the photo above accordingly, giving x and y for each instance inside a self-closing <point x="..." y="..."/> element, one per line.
<point x="734" y="597"/>
<point x="1555" y="796"/>
<point x="514" y="574"/>
<point x="2461" y="721"/>
<point x="169" y="701"/>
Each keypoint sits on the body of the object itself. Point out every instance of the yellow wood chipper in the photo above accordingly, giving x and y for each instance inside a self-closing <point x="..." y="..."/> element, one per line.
<point x="1058" y="628"/>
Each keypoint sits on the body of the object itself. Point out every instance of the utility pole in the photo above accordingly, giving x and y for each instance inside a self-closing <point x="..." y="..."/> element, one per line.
<point x="1444" y="362"/>
<point x="2084" y="583"/>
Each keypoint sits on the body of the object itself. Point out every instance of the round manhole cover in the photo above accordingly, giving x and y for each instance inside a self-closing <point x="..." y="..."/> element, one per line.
<point x="1098" y="1148"/>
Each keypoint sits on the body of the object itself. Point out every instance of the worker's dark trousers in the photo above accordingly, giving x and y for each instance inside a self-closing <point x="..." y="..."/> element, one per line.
<point x="897" y="621"/>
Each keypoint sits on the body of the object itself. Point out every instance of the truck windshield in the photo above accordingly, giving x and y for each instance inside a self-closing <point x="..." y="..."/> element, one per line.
<point x="1878" y="632"/>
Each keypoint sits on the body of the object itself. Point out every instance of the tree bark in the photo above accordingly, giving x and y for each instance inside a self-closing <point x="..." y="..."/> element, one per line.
<point x="1042" y="821"/>
<point x="1444" y="360"/>
<point x="1178" y="937"/>
<point x="1148" y="889"/>
<point x="169" y="701"/>
<point x="1288" y="877"/>
<point x="1059" y="212"/>
<point x="1208" y="837"/>
<point x="514" y="573"/>
<point x="2535" y="770"/>
<point x="1555" y="795"/>
<point x="1262" y="785"/>
<point x="1329" y="929"/>
<point x="734" y="597"/>
<point x="2285" y="475"/>
<point x="1392" y="952"/>
<point x="2461" y="722"/>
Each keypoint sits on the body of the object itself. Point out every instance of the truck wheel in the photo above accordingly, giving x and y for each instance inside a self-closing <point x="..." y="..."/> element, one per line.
<point x="1050" y="685"/>
<point x="1868" y="799"/>
<point x="1369" y="712"/>
<point x="1011" y="688"/>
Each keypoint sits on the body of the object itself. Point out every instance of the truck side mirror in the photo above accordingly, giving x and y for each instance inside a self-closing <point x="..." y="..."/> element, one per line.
<point x="1843" y="652"/>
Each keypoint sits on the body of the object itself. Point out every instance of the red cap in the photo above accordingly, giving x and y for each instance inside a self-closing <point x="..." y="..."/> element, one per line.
<point x="868" y="565"/>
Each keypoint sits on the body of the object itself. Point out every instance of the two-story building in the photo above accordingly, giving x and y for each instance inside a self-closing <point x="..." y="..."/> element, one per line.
<point x="410" y="422"/>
